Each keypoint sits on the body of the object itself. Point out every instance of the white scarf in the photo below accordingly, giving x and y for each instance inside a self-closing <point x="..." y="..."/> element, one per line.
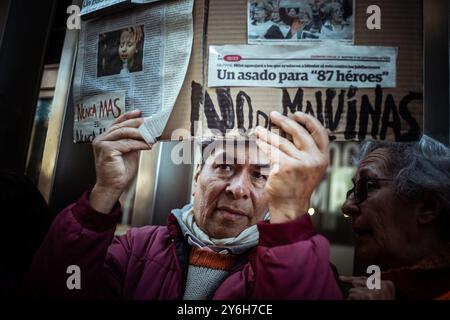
<point x="247" y="239"/>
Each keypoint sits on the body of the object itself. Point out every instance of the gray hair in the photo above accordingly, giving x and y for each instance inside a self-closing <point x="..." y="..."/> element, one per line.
<point x="418" y="168"/>
<point x="330" y="7"/>
<point x="263" y="4"/>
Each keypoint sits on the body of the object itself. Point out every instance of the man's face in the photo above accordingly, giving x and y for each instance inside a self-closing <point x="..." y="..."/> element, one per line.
<point x="275" y="16"/>
<point x="292" y="13"/>
<point x="229" y="192"/>
<point x="260" y="14"/>
<point x="337" y="15"/>
<point x="127" y="46"/>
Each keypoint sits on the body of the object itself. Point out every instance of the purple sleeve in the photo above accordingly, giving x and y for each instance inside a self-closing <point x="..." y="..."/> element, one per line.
<point x="82" y="237"/>
<point x="290" y="262"/>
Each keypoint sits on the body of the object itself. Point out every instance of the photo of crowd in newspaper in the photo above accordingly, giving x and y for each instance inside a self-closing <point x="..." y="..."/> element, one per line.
<point x="299" y="21"/>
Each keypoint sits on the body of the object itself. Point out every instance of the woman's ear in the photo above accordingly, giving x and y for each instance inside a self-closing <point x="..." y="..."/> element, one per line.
<point x="431" y="207"/>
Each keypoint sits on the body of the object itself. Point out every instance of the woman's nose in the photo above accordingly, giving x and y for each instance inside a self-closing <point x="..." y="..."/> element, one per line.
<point x="349" y="207"/>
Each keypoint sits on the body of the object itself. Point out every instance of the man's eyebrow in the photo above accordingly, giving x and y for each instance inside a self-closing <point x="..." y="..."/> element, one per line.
<point x="261" y="165"/>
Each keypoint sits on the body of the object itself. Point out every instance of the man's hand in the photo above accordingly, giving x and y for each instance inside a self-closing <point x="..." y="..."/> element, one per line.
<point x="297" y="165"/>
<point x="360" y="291"/>
<point x="116" y="160"/>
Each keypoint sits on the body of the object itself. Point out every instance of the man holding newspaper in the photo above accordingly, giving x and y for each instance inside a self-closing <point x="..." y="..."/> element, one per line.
<point x="245" y="236"/>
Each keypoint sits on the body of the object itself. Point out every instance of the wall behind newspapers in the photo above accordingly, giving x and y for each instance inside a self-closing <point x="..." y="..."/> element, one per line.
<point x="379" y="113"/>
<point x="179" y="124"/>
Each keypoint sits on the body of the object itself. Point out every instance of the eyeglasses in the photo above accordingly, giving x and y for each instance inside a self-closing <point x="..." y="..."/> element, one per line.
<point x="361" y="188"/>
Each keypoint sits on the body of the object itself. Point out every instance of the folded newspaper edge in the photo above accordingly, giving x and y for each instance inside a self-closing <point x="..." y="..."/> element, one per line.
<point x="153" y="126"/>
<point x="91" y="9"/>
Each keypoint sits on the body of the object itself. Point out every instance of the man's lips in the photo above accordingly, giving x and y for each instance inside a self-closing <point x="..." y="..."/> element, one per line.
<point x="231" y="213"/>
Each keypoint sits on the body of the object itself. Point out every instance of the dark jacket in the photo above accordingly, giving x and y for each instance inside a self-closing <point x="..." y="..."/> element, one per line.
<point x="290" y="262"/>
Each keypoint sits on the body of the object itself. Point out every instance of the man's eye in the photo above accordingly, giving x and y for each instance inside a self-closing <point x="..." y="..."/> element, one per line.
<point x="258" y="175"/>
<point x="225" y="167"/>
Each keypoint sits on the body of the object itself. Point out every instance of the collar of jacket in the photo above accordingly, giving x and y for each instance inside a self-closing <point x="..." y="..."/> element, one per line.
<point x="426" y="280"/>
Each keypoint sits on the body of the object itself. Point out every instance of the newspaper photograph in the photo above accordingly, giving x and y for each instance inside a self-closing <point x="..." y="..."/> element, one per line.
<point x="299" y="21"/>
<point x="143" y="52"/>
<point x="302" y="66"/>
<point x="129" y="45"/>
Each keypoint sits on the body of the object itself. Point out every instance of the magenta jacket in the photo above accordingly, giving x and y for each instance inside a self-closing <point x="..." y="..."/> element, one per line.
<point x="290" y="262"/>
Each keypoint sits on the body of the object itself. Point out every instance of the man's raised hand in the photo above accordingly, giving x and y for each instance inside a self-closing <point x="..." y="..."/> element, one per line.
<point x="297" y="166"/>
<point x="116" y="154"/>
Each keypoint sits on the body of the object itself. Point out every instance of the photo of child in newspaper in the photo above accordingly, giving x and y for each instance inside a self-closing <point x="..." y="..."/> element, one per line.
<point x="288" y="21"/>
<point x="120" y="51"/>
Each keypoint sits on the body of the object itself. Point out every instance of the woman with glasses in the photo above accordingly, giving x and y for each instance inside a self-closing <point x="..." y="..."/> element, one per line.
<point x="400" y="212"/>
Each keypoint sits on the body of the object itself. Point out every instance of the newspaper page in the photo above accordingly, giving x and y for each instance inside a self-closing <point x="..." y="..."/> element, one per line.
<point x="91" y="7"/>
<point x="145" y="53"/>
<point x="305" y="66"/>
<point x="300" y="21"/>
